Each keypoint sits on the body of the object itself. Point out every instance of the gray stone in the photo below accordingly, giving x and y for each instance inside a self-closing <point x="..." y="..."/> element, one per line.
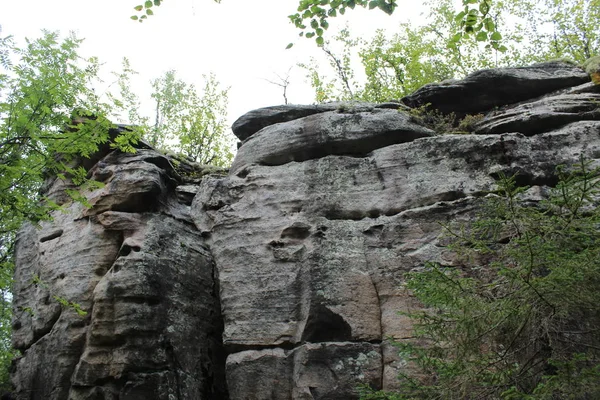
<point x="283" y="279"/>
<point x="312" y="371"/>
<point x="543" y="115"/>
<point x="315" y="251"/>
<point x="348" y="132"/>
<point x="486" y="89"/>
<point x="253" y="121"/>
<point x="141" y="272"/>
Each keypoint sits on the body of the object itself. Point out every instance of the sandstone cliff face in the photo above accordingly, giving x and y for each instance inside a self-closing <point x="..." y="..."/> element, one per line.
<point x="283" y="280"/>
<point x="144" y="274"/>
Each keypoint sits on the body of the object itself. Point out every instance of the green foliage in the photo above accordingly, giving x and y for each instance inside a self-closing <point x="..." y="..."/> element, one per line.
<point x="444" y="123"/>
<point x="50" y="116"/>
<point x="475" y="18"/>
<point x="127" y="102"/>
<point x="191" y="123"/>
<point x="6" y="351"/>
<point x="558" y="28"/>
<point x="394" y="65"/>
<point x="143" y="11"/>
<point x="519" y="318"/>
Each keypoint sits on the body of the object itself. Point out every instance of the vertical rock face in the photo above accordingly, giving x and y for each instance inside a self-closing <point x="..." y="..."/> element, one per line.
<point x="283" y="280"/>
<point x="325" y="210"/>
<point x="142" y="272"/>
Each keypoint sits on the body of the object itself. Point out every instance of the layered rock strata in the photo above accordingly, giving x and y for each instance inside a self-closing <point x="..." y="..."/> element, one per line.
<point x="283" y="280"/>
<point x="326" y="207"/>
<point x="136" y="265"/>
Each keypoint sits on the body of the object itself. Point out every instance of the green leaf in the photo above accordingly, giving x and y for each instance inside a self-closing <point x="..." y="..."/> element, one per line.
<point x="496" y="36"/>
<point x="149" y="12"/>
<point x="484" y="8"/>
<point x="289" y="46"/>
<point x="320" y="41"/>
<point x="148" y="4"/>
<point x="482" y="36"/>
<point x="489" y="25"/>
<point x="138" y="8"/>
<point x="457" y="37"/>
<point x="134" y="17"/>
<point x="460" y="16"/>
<point x="157" y="2"/>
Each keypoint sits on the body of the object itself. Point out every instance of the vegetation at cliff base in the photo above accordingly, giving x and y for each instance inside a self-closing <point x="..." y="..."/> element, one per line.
<point x="517" y="317"/>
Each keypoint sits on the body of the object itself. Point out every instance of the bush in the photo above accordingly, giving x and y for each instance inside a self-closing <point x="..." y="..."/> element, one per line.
<point x="520" y="317"/>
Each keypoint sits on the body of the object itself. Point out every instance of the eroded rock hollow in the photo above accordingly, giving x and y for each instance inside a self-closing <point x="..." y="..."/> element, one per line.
<point x="283" y="278"/>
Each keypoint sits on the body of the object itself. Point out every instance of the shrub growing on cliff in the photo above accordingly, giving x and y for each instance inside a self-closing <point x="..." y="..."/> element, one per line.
<point x="520" y="317"/>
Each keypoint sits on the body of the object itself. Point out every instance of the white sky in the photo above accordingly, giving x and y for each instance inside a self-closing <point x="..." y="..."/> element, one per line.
<point x="242" y="41"/>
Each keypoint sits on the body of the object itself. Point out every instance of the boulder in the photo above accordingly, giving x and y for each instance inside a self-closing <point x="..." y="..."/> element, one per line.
<point x="483" y="90"/>
<point x="350" y="132"/>
<point x="253" y="121"/>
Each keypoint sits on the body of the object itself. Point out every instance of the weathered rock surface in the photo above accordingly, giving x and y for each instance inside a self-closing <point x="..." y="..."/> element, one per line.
<point x="253" y="121"/>
<point x="545" y="114"/>
<point x="311" y="239"/>
<point x="483" y="90"/>
<point x="136" y="264"/>
<point x="348" y="132"/>
<point x="282" y="280"/>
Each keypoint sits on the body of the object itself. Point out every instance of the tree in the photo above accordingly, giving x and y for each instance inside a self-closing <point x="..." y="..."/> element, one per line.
<point x="191" y="123"/>
<point x="394" y="65"/>
<point x="518" y="318"/>
<point x="50" y="116"/>
<point x="560" y="28"/>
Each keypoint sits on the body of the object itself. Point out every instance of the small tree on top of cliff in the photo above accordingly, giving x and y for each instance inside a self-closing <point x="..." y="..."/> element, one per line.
<point x="520" y="318"/>
<point x="192" y="123"/>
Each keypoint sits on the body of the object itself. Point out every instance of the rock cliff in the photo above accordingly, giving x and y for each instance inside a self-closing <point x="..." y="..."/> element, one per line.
<point x="283" y="278"/>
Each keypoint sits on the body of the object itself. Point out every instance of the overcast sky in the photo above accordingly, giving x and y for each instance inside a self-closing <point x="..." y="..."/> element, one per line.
<point x="242" y="41"/>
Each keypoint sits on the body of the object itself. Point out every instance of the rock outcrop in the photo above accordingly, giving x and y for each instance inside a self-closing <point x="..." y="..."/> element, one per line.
<point x="144" y="275"/>
<point x="283" y="279"/>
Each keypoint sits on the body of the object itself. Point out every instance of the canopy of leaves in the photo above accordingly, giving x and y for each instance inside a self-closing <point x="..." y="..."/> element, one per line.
<point x="192" y="123"/>
<point x="392" y="65"/>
